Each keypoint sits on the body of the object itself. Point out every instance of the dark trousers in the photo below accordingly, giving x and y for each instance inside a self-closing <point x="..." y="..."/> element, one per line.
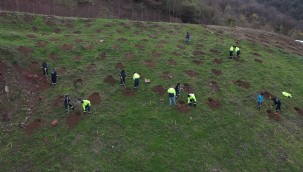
<point x="278" y="108"/>
<point x="87" y="108"/>
<point x="54" y="79"/>
<point x="136" y="85"/>
<point x="238" y="53"/>
<point x="192" y="102"/>
<point x="122" y="80"/>
<point x="231" y="53"/>
<point x="68" y="105"/>
<point x="45" y="71"/>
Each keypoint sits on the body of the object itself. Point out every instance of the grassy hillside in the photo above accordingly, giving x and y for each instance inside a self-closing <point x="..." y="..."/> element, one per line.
<point x="139" y="131"/>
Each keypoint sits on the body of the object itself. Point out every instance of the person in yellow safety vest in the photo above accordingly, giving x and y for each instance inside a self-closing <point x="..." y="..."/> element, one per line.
<point x="86" y="106"/>
<point x="191" y="100"/>
<point x="238" y="52"/>
<point x="171" y="95"/>
<point x="286" y="94"/>
<point x="136" y="78"/>
<point x="231" y="52"/>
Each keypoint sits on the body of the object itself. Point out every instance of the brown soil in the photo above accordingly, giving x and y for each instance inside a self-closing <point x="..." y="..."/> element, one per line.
<point x="180" y="46"/>
<point x="116" y="47"/>
<point x="198" y="62"/>
<point x="54" y="40"/>
<point x="188" y="88"/>
<point x="199" y="46"/>
<point x="176" y="53"/>
<point x="159" y="89"/>
<point x="215" y="51"/>
<point x="28" y="18"/>
<point x="217" y="61"/>
<point x="78" y="40"/>
<point x="53" y="57"/>
<point x="61" y="70"/>
<point x="198" y="53"/>
<point x="257" y="54"/>
<point x="31" y="36"/>
<point x="300" y="111"/>
<point x="217" y="72"/>
<point x="76" y="81"/>
<point x="91" y="66"/>
<point x="172" y="62"/>
<point x="214" y="86"/>
<point x="182" y="107"/>
<point x="213" y="103"/>
<point x="109" y="79"/>
<point x="102" y="56"/>
<point x="24" y="49"/>
<point x="156" y="54"/>
<point x="57" y="30"/>
<point x="140" y="46"/>
<point x="35" y="29"/>
<point x="98" y="30"/>
<point x="149" y="63"/>
<point x="73" y="120"/>
<point x="166" y="76"/>
<point x="5" y="118"/>
<point x="129" y="56"/>
<point x="243" y="84"/>
<point x="191" y="73"/>
<point x="95" y="98"/>
<point x="121" y="39"/>
<point x="48" y="22"/>
<point x="120" y="66"/>
<point x="77" y="32"/>
<point x="90" y="47"/>
<point x="273" y="115"/>
<point x="77" y="58"/>
<point x="31" y="127"/>
<point x="160" y="46"/>
<point x="267" y="95"/>
<point x="258" y="60"/>
<point x="128" y="92"/>
<point x="42" y="44"/>
<point x="66" y="47"/>
<point x="58" y="101"/>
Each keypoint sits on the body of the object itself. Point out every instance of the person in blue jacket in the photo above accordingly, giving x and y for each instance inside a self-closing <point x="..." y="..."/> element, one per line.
<point x="260" y="100"/>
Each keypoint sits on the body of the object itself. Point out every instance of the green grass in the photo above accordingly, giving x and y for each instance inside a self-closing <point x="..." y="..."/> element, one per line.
<point x="139" y="133"/>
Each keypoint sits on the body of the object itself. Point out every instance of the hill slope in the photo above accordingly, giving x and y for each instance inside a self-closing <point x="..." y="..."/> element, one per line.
<point x="139" y="131"/>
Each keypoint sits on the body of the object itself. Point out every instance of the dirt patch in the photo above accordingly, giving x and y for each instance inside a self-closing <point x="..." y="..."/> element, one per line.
<point x="31" y="127"/>
<point x="95" y="98"/>
<point x="159" y="89"/>
<point x="243" y="84"/>
<point x="102" y="56"/>
<point x="66" y="47"/>
<point x="140" y="46"/>
<point x="176" y="53"/>
<point x="77" y="58"/>
<point x="160" y="46"/>
<point x="217" y="72"/>
<point x="57" y="30"/>
<point x="48" y="21"/>
<point x="198" y="53"/>
<point x="90" y="47"/>
<point x="61" y="70"/>
<point x="273" y="115"/>
<point x="120" y="66"/>
<point x="268" y="95"/>
<point x="91" y="66"/>
<point x="98" y="31"/>
<point x="76" y="82"/>
<point x="58" y="101"/>
<point x="116" y="47"/>
<point x="156" y="54"/>
<point x="78" y="40"/>
<point x="128" y="92"/>
<point x="215" y="51"/>
<point x="150" y="63"/>
<point x="199" y="46"/>
<point x="191" y="73"/>
<point x="257" y="54"/>
<point x="28" y="18"/>
<point x="121" y="39"/>
<point x="258" y="60"/>
<point x="166" y="76"/>
<point x="77" y="32"/>
<point x="198" y="62"/>
<point x="213" y="103"/>
<point x="109" y="79"/>
<point x="214" y="86"/>
<point x="300" y="111"/>
<point x="5" y="118"/>
<point x="217" y="61"/>
<point x="54" y="40"/>
<point x="188" y="88"/>
<point x="35" y="29"/>
<point x="129" y="56"/>
<point x="24" y="49"/>
<point x="73" y="120"/>
<point x="53" y="57"/>
<point x="180" y="46"/>
<point x="31" y="36"/>
<point x="41" y="44"/>
<point x="172" y="62"/>
<point x="182" y="107"/>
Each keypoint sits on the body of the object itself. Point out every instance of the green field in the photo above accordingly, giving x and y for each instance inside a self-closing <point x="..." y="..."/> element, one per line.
<point x="142" y="132"/>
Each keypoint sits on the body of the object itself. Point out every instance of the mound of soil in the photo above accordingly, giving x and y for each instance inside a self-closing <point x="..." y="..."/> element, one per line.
<point x="188" y="88"/>
<point x="217" y="61"/>
<point x="213" y="103"/>
<point x="129" y="56"/>
<point x="28" y="18"/>
<point x="116" y="47"/>
<point x="120" y="66"/>
<point x="267" y="95"/>
<point x="258" y="60"/>
<point x="76" y="81"/>
<point x="31" y="127"/>
<point x="95" y="98"/>
<point x="91" y="66"/>
<point x="176" y="53"/>
<point x="217" y="72"/>
<point x="140" y="46"/>
<point x="102" y="56"/>
<point x="172" y="62"/>
<point x="166" y="75"/>
<point x="58" y="101"/>
<point x="57" y="30"/>
<point x="215" y="51"/>
<point x="66" y="47"/>
<point x="73" y="120"/>
<point x="243" y="84"/>
<point x="121" y="39"/>
<point x="156" y="54"/>
<point x="128" y="92"/>
<point x="160" y="46"/>
<point x="198" y="62"/>
<point x="53" y="57"/>
<point x="77" y="58"/>
<point x="61" y="70"/>
<point x="214" y="86"/>
<point x="5" y="118"/>
<point x="24" y="49"/>
<point x="182" y="107"/>
<point x="78" y="40"/>
<point x="149" y="63"/>
<point x="300" y="111"/>
<point x="54" y="40"/>
<point x="199" y="46"/>
<point x="77" y="32"/>
<point x="90" y="47"/>
<point x="159" y="89"/>
<point x="257" y="54"/>
<point x="273" y="115"/>
<point x="180" y="46"/>
<point x="109" y="79"/>
<point x="191" y="73"/>
<point x="98" y="30"/>
<point x="198" y="53"/>
<point x="31" y="36"/>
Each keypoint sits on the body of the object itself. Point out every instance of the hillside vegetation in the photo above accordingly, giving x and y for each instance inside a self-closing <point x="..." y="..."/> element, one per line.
<point x="139" y="131"/>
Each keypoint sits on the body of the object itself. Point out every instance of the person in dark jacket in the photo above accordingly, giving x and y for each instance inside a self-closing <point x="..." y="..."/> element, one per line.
<point x="187" y="38"/>
<point x="44" y="68"/>
<point x="178" y="88"/>
<point x="67" y="103"/>
<point x="277" y="103"/>
<point x="122" y="77"/>
<point x="54" y="77"/>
